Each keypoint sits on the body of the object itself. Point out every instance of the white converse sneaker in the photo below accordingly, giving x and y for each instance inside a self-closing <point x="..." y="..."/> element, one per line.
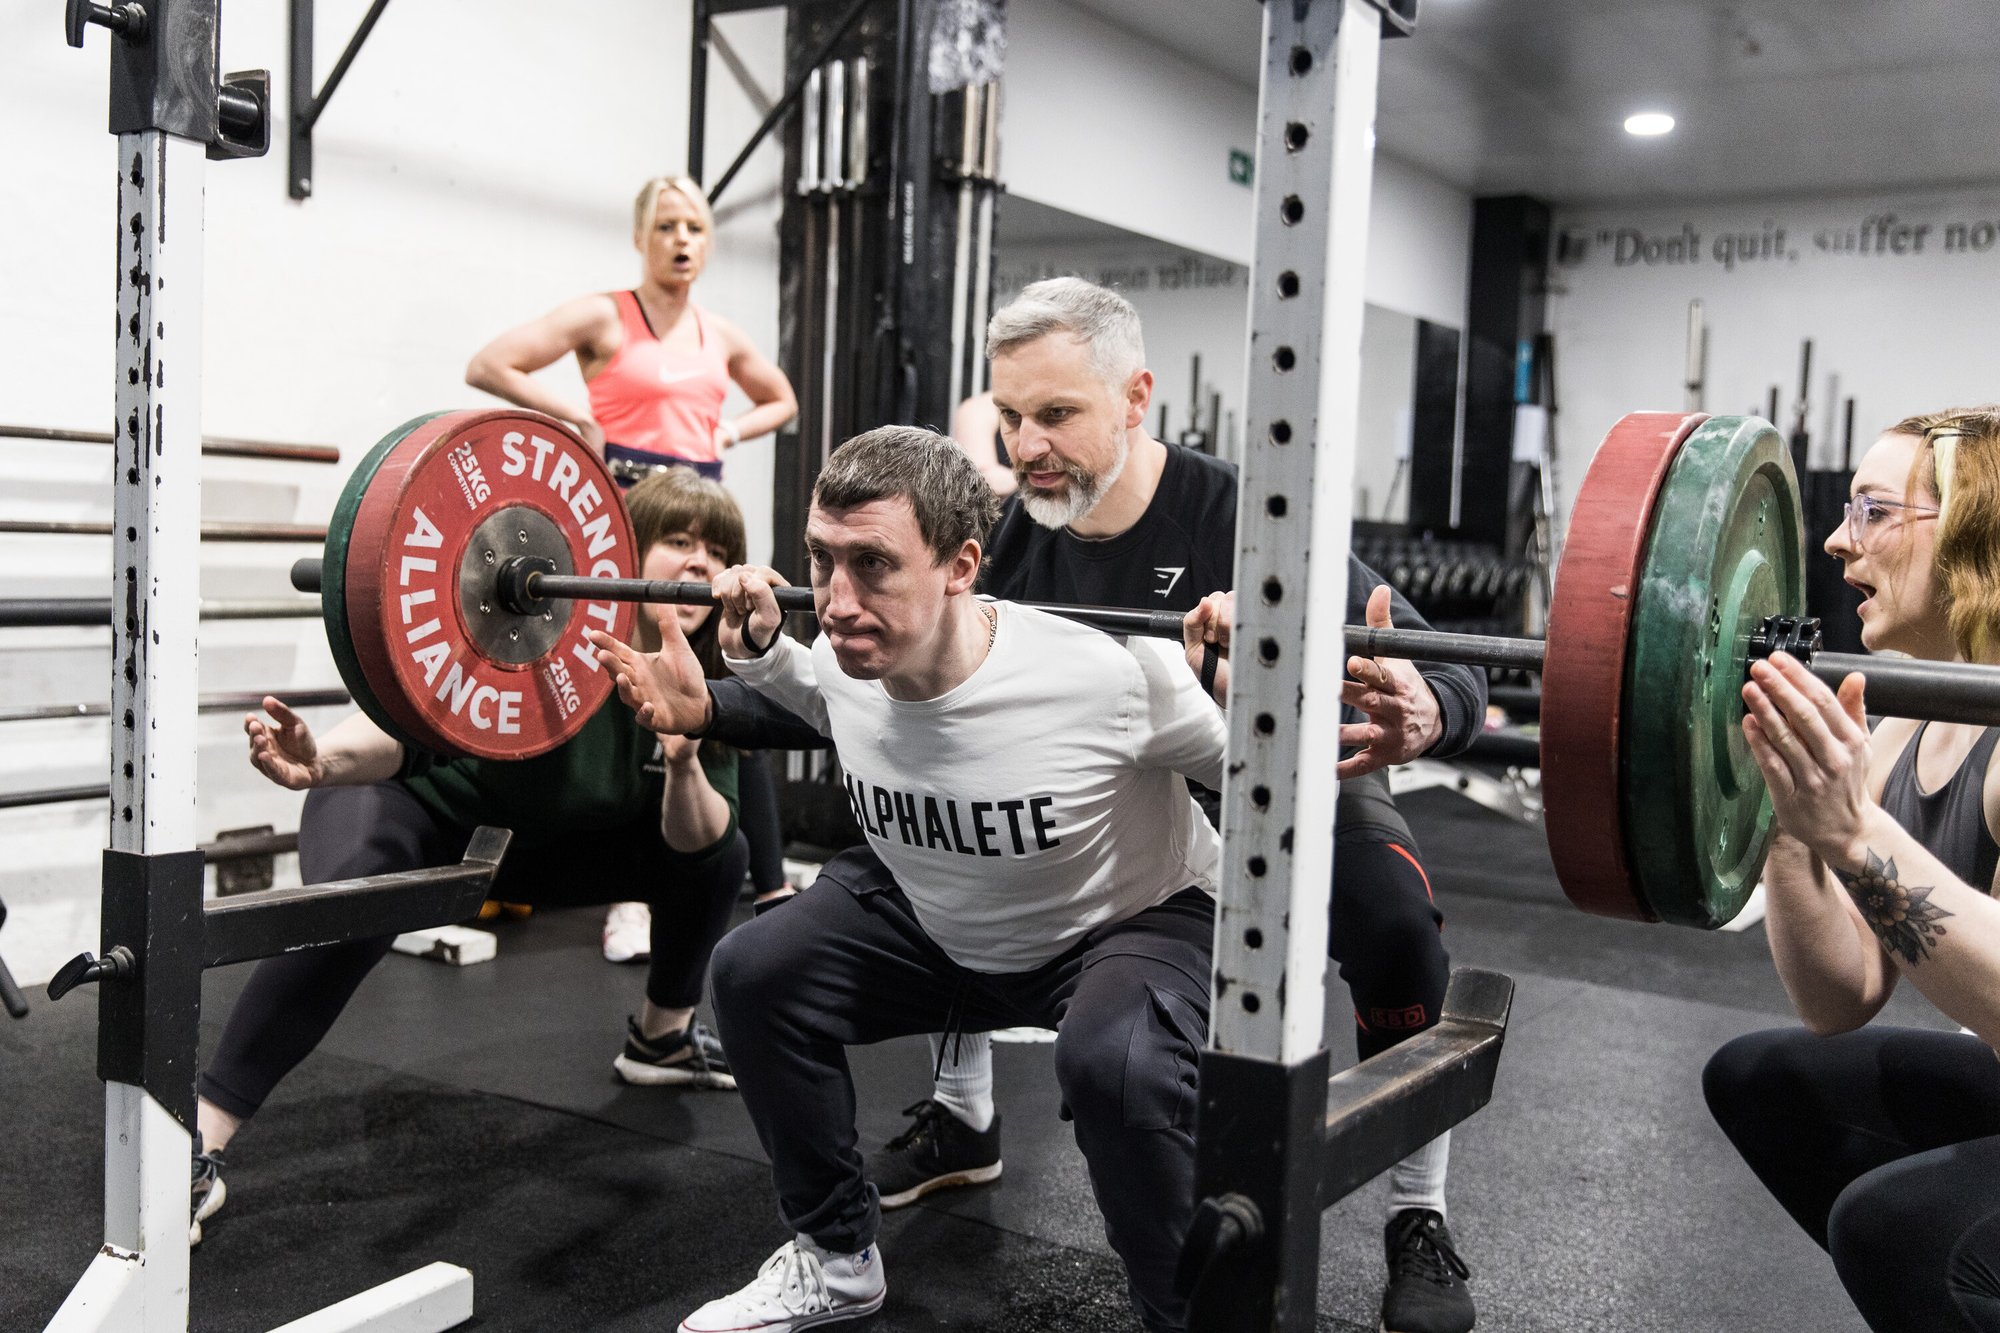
<point x="801" y="1286"/>
<point x="628" y="933"/>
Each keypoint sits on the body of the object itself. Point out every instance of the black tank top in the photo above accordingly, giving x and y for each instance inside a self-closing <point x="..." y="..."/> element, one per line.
<point x="1950" y="821"/>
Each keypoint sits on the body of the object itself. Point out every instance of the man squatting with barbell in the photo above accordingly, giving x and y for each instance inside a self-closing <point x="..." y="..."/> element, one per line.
<point x="1069" y="365"/>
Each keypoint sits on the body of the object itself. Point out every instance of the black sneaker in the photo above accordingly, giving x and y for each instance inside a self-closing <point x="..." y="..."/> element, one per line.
<point x="690" y="1058"/>
<point x="936" y="1152"/>
<point x="1427" y="1291"/>
<point x="206" y="1192"/>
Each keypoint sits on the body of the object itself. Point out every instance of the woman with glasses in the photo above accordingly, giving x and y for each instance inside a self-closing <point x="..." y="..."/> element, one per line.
<point x="1884" y="1142"/>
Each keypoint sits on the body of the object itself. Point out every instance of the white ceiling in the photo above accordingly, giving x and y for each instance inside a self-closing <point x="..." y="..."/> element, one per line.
<point x="1771" y="96"/>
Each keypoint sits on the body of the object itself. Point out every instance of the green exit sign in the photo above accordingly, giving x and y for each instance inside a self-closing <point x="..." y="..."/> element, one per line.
<point x="1242" y="166"/>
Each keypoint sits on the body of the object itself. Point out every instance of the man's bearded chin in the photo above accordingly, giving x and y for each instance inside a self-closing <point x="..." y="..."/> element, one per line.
<point x="1078" y="498"/>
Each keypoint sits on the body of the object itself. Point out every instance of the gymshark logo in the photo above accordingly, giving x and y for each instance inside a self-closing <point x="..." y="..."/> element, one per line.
<point x="1172" y="574"/>
<point x="676" y="376"/>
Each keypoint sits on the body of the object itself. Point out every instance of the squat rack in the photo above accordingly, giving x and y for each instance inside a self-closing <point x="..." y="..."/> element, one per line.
<point x="1277" y="1141"/>
<point x="172" y="110"/>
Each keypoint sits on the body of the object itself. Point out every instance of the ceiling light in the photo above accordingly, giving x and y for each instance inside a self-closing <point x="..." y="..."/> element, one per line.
<point x="1648" y="124"/>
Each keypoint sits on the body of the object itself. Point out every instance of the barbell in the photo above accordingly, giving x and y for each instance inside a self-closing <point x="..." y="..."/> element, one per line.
<point x="471" y="552"/>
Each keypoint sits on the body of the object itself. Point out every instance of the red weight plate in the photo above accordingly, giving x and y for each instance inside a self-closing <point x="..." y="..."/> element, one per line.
<point x="1583" y="676"/>
<point x="453" y="499"/>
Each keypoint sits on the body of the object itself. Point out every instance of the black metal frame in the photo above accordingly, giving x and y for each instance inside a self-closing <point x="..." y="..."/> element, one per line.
<point x="701" y="32"/>
<point x="779" y="112"/>
<point x="164" y="75"/>
<point x="157" y="938"/>
<point x="1276" y="1144"/>
<point x="306" y="105"/>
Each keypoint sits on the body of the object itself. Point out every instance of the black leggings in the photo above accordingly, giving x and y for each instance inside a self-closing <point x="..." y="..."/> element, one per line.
<point x="1884" y="1144"/>
<point x="1384" y="930"/>
<point x="291" y="1001"/>
<point x="757" y="801"/>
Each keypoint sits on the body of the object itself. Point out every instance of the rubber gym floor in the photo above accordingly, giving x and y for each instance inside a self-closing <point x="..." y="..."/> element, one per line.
<point x="471" y="1115"/>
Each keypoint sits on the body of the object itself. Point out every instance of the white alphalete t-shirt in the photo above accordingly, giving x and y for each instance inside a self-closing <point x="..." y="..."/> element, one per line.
<point x="1040" y="798"/>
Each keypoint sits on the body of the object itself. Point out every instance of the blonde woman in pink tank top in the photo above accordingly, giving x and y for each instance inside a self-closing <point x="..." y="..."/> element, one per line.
<point x="656" y="366"/>
<point x="656" y="369"/>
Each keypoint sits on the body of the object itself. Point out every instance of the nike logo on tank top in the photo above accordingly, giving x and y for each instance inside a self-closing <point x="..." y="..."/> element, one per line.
<point x="661" y="400"/>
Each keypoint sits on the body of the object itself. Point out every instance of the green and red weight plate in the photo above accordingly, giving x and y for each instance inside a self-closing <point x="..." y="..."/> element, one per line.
<point x="415" y="541"/>
<point x="1686" y="533"/>
<point x="1726" y="549"/>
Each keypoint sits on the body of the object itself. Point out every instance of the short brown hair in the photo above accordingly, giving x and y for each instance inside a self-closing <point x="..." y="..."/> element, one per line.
<point x="952" y="502"/>
<point x="677" y="499"/>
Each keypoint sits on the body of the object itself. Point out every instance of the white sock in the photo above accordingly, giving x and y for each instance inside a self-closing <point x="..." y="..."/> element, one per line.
<point x="965" y="1082"/>
<point x="1418" y="1180"/>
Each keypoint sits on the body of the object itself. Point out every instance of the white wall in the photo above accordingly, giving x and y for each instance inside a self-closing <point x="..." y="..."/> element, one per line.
<point x="1419" y="243"/>
<point x="1102" y="123"/>
<point x="469" y="175"/>
<point x="1902" y="332"/>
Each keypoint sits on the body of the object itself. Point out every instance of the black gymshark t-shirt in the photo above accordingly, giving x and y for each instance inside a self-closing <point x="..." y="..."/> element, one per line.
<point x="1183" y="548"/>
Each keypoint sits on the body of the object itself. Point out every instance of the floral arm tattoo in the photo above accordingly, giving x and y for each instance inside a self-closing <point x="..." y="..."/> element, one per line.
<point x="1901" y="915"/>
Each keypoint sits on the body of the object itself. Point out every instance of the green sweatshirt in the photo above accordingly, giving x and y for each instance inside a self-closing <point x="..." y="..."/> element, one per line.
<point x="607" y="776"/>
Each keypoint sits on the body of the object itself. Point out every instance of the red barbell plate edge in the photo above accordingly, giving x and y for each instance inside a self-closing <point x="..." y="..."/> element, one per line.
<point x="367" y="577"/>
<point x="1583" y="675"/>
<point x="367" y="580"/>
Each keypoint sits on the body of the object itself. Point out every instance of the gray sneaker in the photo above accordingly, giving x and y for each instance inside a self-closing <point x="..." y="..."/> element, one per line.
<point x="691" y="1058"/>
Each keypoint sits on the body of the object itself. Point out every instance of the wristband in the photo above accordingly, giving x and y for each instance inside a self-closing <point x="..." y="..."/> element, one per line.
<point x="735" y="435"/>
<point x="749" y="641"/>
